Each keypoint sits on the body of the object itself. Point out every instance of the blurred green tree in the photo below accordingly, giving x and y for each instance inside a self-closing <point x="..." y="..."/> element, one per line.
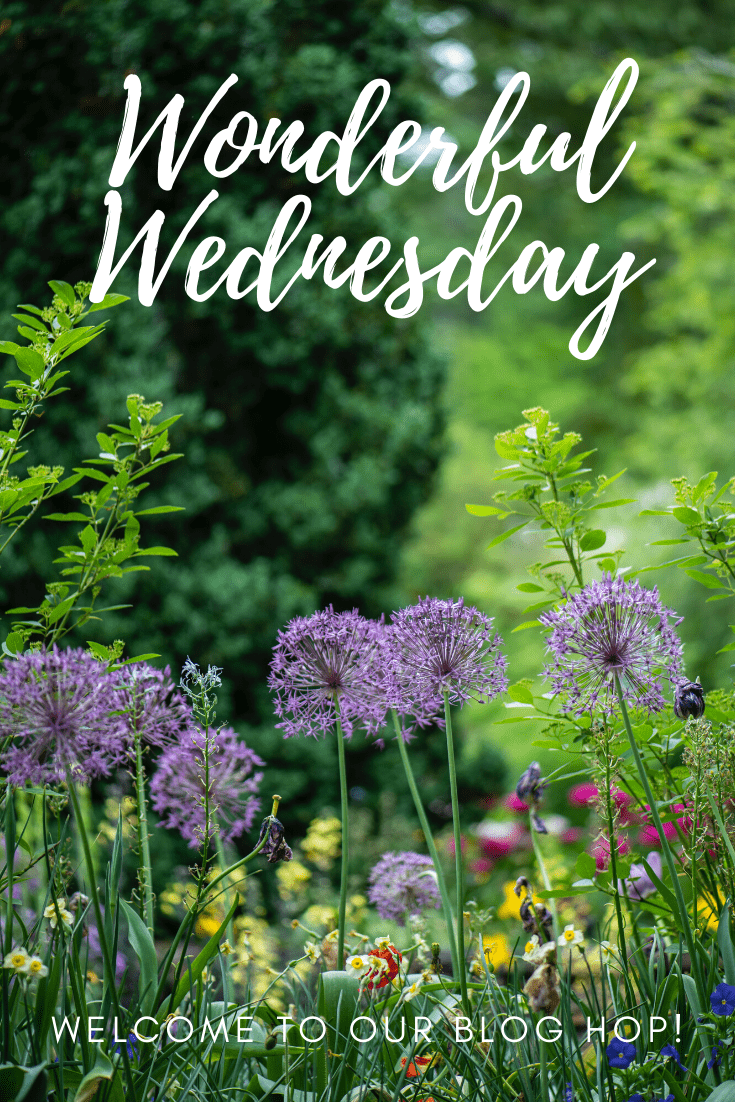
<point x="311" y="433"/>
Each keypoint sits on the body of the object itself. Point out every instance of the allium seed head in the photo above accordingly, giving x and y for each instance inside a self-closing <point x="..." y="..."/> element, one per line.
<point x="612" y="628"/>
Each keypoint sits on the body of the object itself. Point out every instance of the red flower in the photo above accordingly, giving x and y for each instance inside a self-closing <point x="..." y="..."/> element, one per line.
<point x="381" y="974"/>
<point x="422" y="1063"/>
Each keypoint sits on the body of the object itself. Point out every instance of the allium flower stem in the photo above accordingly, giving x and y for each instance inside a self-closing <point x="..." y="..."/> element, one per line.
<point x="345" y="838"/>
<point x="94" y="893"/>
<point x="145" y="875"/>
<point x="228" y="901"/>
<point x="430" y="845"/>
<point x="666" y="849"/>
<point x="459" y="872"/>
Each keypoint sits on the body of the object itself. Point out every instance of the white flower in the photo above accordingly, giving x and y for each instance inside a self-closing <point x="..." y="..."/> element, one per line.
<point x="36" y="968"/>
<point x="382" y="942"/>
<point x="19" y="961"/>
<point x="535" y="952"/>
<point x="357" y="964"/>
<point x="571" y="937"/>
<point x="51" y="914"/>
<point x="311" y="951"/>
<point x="412" y="991"/>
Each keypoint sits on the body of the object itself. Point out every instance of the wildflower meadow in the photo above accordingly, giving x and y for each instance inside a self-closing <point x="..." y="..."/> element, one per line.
<point x="527" y="956"/>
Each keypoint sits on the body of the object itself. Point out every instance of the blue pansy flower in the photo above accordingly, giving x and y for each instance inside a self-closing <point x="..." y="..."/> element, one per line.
<point x="620" y="1054"/>
<point x="722" y="999"/>
<point x="715" y="1059"/>
<point x="636" y="1098"/>
<point x="672" y="1052"/>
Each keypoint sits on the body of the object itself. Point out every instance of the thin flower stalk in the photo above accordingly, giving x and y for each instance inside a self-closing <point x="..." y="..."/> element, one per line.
<point x="430" y="845"/>
<point x="458" y="867"/>
<point x="341" y="922"/>
<point x="666" y="849"/>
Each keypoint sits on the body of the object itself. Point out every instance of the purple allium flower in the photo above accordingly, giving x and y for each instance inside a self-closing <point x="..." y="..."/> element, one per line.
<point x="688" y="700"/>
<point x="403" y="884"/>
<point x="59" y="709"/>
<point x="178" y="785"/>
<point x="438" y="647"/>
<point x="611" y="628"/>
<point x="639" y="884"/>
<point x="327" y="663"/>
<point x="620" y="1054"/>
<point x="722" y="1000"/>
<point x="154" y="707"/>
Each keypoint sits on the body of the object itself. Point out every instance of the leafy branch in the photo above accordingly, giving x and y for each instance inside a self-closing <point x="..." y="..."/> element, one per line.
<point x="551" y="491"/>
<point x="53" y="334"/>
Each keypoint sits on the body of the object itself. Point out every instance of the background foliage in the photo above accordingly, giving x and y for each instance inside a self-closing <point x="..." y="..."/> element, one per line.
<point x="312" y="434"/>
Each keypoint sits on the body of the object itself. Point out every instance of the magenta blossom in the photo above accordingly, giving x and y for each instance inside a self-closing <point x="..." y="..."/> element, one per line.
<point x="612" y="629"/>
<point x="59" y="710"/>
<point x="601" y="851"/>
<point x="648" y="835"/>
<point x="178" y="785"/>
<point x="498" y="839"/>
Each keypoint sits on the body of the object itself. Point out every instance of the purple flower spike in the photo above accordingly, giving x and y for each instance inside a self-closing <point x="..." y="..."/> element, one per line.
<point x="612" y="628"/>
<point x="59" y="709"/>
<point x="403" y="884"/>
<point x="325" y="662"/>
<point x="154" y="707"/>
<point x="442" y="646"/>
<point x="178" y="785"/>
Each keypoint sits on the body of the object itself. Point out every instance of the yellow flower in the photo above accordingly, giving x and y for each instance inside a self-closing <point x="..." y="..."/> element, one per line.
<point x="208" y="923"/>
<point x="323" y="841"/>
<point x="570" y="937"/>
<point x="291" y="877"/>
<point x="19" y="961"/>
<point x="497" y="950"/>
<point x="51" y="914"/>
<point x="412" y="991"/>
<point x="225" y="948"/>
<point x="707" y="915"/>
<point x="511" y="905"/>
<point x="319" y="916"/>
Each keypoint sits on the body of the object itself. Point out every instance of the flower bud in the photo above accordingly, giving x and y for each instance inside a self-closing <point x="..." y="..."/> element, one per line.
<point x="689" y="700"/>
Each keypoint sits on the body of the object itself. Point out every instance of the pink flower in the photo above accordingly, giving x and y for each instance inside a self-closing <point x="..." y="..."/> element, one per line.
<point x="482" y="864"/>
<point x="514" y="803"/>
<point x="499" y="839"/>
<point x="649" y="835"/>
<point x="583" y="794"/>
<point x="601" y="851"/>
<point x="572" y="835"/>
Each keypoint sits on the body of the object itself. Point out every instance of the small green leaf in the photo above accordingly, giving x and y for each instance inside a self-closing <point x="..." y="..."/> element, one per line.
<point x="157" y="551"/>
<point x="160" y="509"/>
<point x="108" y="302"/>
<point x="529" y="587"/>
<point x="704" y="579"/>
<point x="67" y="516"/>
<point x="506" y="535"/>
<point x="483" y="510"/>
<point x="591" y="541"/>
<point x="65" y="291"/>
<point x="520" y="693"/>
<point x="614" y="504"/>
<point x="686" y="515"/>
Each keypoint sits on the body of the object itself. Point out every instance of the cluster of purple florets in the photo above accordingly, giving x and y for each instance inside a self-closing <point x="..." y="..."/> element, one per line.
<point x="338" y="667"/>
<point x="402" y="885"/>
<point x="64" y="713"/>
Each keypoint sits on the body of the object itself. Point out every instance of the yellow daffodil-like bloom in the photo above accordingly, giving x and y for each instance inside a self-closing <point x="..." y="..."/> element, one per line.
<point x="358" y="964"/>
<point x="412" y="991"/>
<point x="53" y="915"/>
<point x="19" y="961"/>
<point x="36" y="968"/>
<point x="311" y="951"/>
<point x="571" y="937"/>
